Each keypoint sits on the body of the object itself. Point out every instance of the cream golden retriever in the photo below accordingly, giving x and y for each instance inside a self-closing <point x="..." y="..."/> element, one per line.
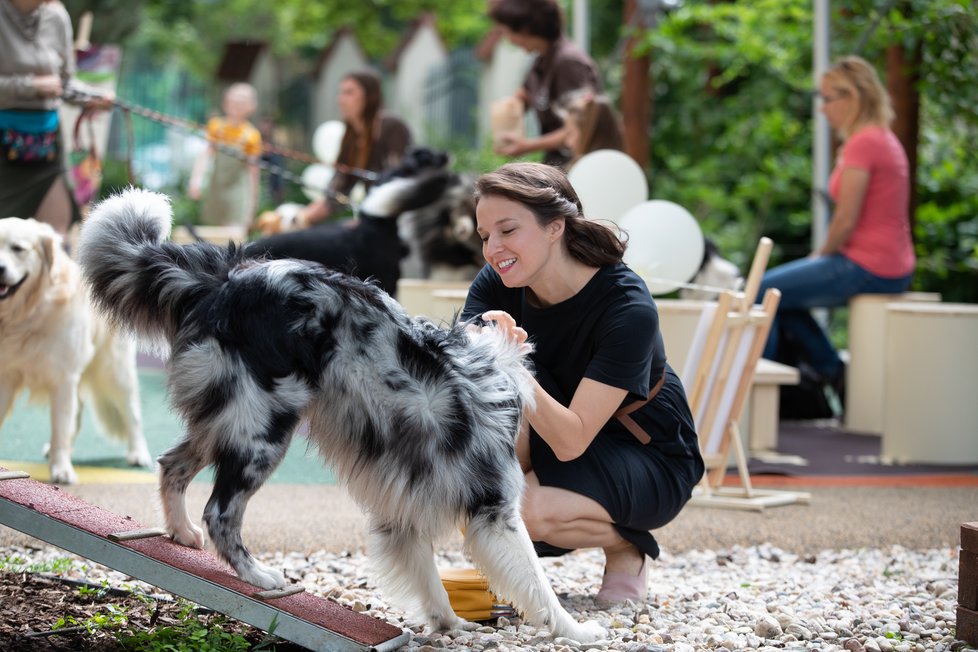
<point x="54" y="344"/>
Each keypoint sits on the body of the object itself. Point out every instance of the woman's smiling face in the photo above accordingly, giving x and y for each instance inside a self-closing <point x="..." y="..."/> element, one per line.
<point x="513" y="241"/>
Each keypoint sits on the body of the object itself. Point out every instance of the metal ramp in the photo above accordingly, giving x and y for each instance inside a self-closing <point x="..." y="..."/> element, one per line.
<point x="45" y="512"/>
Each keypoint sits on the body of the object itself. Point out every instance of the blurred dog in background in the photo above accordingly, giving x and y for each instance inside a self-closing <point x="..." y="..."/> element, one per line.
<point x="715" y="273"/>
<point x="53" y="344"/>
<point x="420" y="208"/>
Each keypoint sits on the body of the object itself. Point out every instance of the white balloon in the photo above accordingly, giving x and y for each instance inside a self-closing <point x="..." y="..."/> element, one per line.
<point x="326" y="141"/>
<point x="608" y="183"/>
<point x="665" y="244"/>
<point x="315" y="178"/>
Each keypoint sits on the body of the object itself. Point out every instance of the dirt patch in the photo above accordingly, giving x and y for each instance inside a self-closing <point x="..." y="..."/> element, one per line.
<point x="40" y="613"/>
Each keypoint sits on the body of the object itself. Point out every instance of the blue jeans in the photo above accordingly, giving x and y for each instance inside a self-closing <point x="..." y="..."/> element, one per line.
<point x="823" y="282"/>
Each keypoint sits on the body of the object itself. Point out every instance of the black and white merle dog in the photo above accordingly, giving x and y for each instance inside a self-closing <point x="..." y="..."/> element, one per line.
<point x="369" y="247"/>
<point x="419" y="421"/>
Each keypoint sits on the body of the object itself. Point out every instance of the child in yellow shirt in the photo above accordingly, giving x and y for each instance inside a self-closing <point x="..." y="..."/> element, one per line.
<point x="231" y="196"/>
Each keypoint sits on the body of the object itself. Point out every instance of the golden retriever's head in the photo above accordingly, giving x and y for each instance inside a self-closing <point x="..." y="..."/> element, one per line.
<point x="29" y="259"/>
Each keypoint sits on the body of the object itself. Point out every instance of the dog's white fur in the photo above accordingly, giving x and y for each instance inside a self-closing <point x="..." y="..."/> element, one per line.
<point x="715" y="274"/>
<point x="53" y="344"/>
<point x="419" y="422"/>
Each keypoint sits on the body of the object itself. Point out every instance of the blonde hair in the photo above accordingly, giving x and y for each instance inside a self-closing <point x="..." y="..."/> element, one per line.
<point x="854" y="76"/>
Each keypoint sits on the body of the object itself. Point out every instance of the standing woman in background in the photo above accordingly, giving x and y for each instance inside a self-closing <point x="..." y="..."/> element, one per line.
<point x="374" y="140"/>
<point x="561" y="71"/>
<point x="37" y="68"/>
<point x="868" y="248"/>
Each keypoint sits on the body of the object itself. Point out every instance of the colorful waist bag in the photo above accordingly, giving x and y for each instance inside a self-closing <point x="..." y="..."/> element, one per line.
<point x="29" y="136"/>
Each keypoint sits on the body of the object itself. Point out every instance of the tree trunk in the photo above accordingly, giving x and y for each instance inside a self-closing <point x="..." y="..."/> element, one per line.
<point x="636" y="98"/>
<point x="902" y="75"/>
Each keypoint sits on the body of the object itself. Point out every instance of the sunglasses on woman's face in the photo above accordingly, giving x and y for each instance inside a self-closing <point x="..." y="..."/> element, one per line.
<point x="828" y="99"/>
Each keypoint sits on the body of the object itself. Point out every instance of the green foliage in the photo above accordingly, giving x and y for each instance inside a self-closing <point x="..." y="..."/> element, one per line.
<point x="732" y="122"/>
<point x="18" y="564"/>
<point x="731" y="111"/>
<point x="189" y="634"/>
<point x="111" y="618"/>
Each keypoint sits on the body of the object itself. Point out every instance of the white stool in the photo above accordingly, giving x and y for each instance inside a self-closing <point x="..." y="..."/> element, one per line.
<point x="677" y="322"/>
<point x="864" y="374"/>
<point x="418" y="297"/>
<point x="931" y="383"/>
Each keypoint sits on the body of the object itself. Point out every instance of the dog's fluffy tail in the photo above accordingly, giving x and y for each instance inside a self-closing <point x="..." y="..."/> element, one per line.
<point x="137" y="277"/>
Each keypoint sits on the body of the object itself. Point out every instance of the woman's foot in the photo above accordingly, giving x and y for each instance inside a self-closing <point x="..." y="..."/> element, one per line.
<point x="616" y="587"/>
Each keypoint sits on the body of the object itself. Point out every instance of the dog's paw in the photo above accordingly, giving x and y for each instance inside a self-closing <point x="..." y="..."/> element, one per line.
<point x="586" y="632"/>
<point x="139" y="455"/>
<point x="62" y="472"/>
<point x="263" y="576"/>
<point x="188" y="535"/>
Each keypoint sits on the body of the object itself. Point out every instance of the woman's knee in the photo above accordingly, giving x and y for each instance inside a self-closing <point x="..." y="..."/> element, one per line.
<point x="535" y="514"/>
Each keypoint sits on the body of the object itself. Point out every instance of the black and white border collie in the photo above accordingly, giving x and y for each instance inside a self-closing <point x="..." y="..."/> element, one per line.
<point x="419" y="421"/>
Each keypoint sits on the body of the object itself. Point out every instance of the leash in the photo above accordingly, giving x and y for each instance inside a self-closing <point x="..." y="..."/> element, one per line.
<point x="197" y="129"/>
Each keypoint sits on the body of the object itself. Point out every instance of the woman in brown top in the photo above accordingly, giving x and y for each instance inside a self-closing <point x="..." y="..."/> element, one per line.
<point x="374" y="140"/>
<point x="561" y="71"/>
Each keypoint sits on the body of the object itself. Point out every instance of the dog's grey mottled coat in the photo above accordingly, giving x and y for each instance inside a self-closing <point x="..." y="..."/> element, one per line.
<point x="419" y="421"/>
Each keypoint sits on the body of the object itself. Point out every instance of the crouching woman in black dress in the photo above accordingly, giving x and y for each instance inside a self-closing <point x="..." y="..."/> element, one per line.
<point x="595" y="476"/>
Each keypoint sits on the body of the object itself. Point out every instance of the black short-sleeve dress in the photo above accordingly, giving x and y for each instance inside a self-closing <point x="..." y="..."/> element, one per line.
<point x="608" y="332"/>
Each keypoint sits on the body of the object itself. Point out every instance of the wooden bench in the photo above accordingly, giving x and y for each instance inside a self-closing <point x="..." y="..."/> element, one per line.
<point x="864" y="374"/>
<point x="219" y="235"/>
<point x="930" y="412"/>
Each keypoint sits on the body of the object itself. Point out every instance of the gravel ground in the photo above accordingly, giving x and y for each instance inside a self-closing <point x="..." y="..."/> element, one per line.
<point x="865" y="568"/>
<point x="740" y="598"/>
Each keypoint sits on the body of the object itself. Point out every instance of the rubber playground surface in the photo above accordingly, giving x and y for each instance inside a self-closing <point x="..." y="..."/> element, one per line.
<point x="831" y="456"/>
<point x="99" y="459"/>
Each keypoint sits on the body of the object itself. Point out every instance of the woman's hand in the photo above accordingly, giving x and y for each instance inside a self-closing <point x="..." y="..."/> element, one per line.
<point x="510" y="145"/>
<point x="101" y="102"/>
<point x="505" y="322"/>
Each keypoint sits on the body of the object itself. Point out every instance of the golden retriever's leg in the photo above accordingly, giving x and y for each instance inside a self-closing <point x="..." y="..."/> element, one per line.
<point x="112" y="384"/>
<point x="7" y="393"/>
<point x="64" y="425"/>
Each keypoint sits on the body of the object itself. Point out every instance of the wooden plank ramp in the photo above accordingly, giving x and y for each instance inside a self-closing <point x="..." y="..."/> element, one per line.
<point x="45" y="512"/>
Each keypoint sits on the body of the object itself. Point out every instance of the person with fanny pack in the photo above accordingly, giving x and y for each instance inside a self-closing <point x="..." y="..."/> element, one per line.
<point x="37" y="70"/>
<point x="610" y="450"/>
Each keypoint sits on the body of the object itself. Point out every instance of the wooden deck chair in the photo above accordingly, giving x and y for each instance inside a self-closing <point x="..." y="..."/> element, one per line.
<point x="717" y="376"/>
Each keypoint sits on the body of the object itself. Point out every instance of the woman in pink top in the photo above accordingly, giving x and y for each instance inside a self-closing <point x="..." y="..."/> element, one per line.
<point x="868" y="248"/>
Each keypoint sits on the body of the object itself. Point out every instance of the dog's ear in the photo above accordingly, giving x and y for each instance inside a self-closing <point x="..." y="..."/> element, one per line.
<point x="49" y="241"/>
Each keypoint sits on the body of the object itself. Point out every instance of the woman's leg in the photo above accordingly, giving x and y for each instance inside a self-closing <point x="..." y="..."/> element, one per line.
<point x="55" y="208"/>
<point x="569" y="520"/>
<point x="815" y="282"/>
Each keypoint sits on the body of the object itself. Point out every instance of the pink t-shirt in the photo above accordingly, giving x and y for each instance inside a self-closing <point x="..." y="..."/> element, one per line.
<point x="880" y="241"/>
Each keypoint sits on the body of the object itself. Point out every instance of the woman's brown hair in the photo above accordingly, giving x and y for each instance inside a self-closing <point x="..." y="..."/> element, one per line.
<point x="355" y="147"/>
<point x="547" y="193"/>
<point x="542" y="18"/>
<point x="598" y="124"/>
